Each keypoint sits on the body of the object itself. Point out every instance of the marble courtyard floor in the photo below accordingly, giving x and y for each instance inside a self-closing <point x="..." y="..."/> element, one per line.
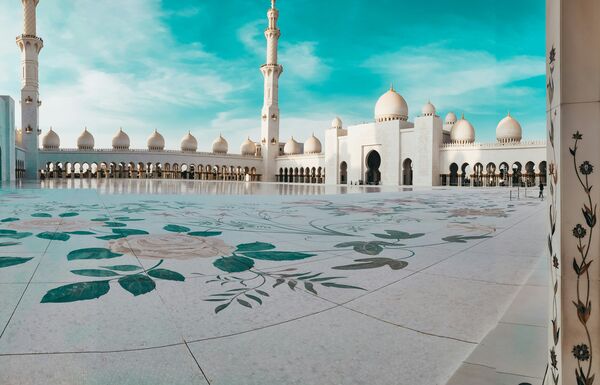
<point x="169" y="283"/>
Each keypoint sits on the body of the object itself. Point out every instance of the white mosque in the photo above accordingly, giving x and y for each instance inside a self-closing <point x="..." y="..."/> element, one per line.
<point x="390" y="150"/>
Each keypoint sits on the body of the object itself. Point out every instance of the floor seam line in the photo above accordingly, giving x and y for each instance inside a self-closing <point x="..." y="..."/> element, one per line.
<point x="196" y="360"/>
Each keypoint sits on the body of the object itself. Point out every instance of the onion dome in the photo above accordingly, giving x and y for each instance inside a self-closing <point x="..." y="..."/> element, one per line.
<point x="336" y="123"/>
<point x="120" y="141"/>
<point x="312" y="145"/>
<point x="292" y="147"/>
<point x="391" y="106"/>
<point x="156" y="142"/>
<point x="450" y="118"/>
<point x="248" y="147"/>
<point x="189" y="143"/>
<point x="85" y="140"/>
<point x="462" y="132"/>
<point x="220" y="145"/>
<point x="51" y="141"/>
<point x="509" y="130"/>
<point x="428" y="109"/>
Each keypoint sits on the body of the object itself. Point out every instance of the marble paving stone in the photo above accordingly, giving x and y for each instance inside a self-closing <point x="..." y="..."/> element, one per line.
<point x="197" y="319"/>
<point x="530" y="307"/>
<point x="514" y="349"/>
<point x="55" y="266"/>
<point x="337" y="347"/>
<point x="511" y="379"/>
<point x="201" y="250"/>
<point x="171" y="365"/>
<point x="502" y="269"/>
<point x="9" y="297"/>
<point x="115" y="321"/>
<point x="367" y="279"/>
<point x="22" y="266"/>
<point x="439" y="308"/>
<point x="470" y="374"/>
<point x="540" y="276"/>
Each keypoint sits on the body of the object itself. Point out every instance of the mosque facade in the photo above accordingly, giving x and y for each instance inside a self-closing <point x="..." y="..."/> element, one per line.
<point x="390" y="150"/>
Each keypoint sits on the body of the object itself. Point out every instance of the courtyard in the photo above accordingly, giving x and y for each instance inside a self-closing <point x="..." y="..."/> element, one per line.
<point x="156" y="282"/>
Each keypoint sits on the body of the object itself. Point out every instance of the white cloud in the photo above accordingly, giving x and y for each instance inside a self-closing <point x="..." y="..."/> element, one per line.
<point x="113" y="63"/>
<point x="452" y="77"/>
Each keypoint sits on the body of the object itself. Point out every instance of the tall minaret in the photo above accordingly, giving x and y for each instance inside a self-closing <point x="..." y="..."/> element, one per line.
<point x="30" y="45"/>
<point x="270" y="111"/>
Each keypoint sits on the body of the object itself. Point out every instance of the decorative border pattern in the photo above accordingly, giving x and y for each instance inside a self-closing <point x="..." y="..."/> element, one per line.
<point x="553" y="180"/>
<point x="583" y="351"/>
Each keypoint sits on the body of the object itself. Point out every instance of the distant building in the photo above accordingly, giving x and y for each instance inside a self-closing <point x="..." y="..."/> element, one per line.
<point x="390" y="150"/>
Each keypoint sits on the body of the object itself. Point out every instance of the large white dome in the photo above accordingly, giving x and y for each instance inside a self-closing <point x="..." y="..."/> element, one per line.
<point x="312" y="145"/>
<point x="292" y="147"/>
<point x="189" y="143"/>
<point x="428" y="109"/>
<point x="51" y="140"/>
<point x="220" y="145"/>
<point x="509" y="130"/>
<point x="336" y="123"/>
<point x="450" y="118"/>
<point x="248" y="147"/>
<point x="85" y="140"/>
<point x="391" y="106"/>
<point x="462" y="132"/>
<point x="120" y="141"/>
<point x="156" y="142"/>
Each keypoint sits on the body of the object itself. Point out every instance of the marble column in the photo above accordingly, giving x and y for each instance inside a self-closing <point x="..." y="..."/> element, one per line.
<point x="573" y="115"/>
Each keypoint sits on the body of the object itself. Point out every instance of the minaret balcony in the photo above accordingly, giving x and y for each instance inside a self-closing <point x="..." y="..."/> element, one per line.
<point x="26" y="37"/>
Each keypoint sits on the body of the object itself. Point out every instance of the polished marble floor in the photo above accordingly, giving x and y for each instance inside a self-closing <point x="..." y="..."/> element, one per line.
<point x="170" y="282"/>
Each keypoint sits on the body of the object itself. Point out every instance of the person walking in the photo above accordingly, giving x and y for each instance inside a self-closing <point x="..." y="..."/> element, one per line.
<point x="541" y="196"/>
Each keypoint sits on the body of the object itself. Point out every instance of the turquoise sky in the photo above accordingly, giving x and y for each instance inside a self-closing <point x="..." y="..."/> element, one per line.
<point x="193" y="64"/>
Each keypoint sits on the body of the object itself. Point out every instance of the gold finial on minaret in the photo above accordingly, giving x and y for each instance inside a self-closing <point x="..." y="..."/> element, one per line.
<point x="273" y="4"/>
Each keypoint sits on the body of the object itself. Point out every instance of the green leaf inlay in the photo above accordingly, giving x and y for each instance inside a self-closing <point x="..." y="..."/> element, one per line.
<point x="92" y="253"/>
<point x="137" y="284"/>
<point x="12" y="261"/>
<point x="80" y="291"/>
<point x="166" y="274"/>
<point x="54" y="236"/>
<point x="234" y="264"/>
<point x="176" y="228"/>
<point x="256" y="246"/>
<point x="95" y="273"/>
<point x="277" y="255"/>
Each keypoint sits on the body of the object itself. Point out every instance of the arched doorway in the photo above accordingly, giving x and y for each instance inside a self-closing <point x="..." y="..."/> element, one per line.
<point x="343" y="173"/>
<point x="453" y="174"/>
<point x="407" y="172"/>
<point x="373" y="161"/>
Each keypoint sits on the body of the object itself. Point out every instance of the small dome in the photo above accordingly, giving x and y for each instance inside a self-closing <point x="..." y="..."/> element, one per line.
<point x="312" y="145"/>
<point x="120" y="141"/>
<point x="51" y="140"/>
<point x="462" y="132"/>
<point x="156" y="142"/>
<point x="189" y="143"/>
<point x="336" y="123"/>
<point x="428" y="109"/>
<point x="391" y="106"/>
<point x="450" y="118"/>
<point x="248" y="147"/>
<point x="292" y="147"/>
<point x="220" y="145"/>
<point x="509" y="130"/>
<point x="85" y="140"/>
